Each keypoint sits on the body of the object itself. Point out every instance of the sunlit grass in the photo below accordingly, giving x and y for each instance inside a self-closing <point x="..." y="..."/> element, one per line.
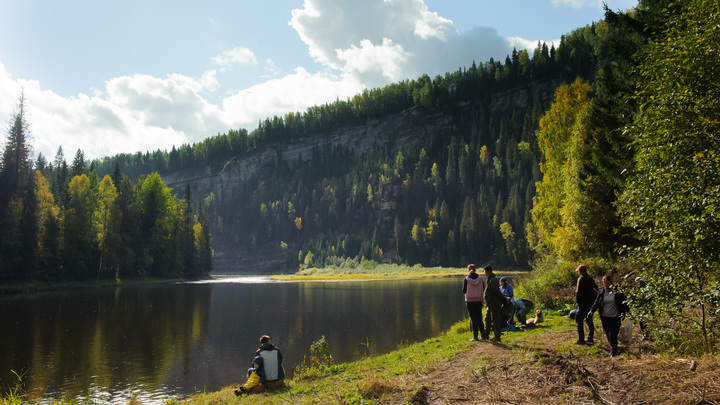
<point x="372" y="271"/>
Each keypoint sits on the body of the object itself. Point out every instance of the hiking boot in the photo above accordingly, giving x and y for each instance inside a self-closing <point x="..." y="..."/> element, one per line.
<point x="614" y="352"/>
<point x="590" y="340"/>
<point x="474" y="339"/>
<point x="580" y="342"/>
<point x="496" y="339"/>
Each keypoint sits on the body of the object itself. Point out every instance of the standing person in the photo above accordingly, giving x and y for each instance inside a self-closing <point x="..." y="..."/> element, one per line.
<point x="505" y="288"/>
<point x="585" y="294"/>
<point x="473" y="288"/>
<point x="494" y="301"/>
<point x="273" y="360"/>
<point x="610" y="303"/>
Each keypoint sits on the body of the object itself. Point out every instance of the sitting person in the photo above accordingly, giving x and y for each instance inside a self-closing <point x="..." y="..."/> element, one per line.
<point x="505" y="288"/>
<point x="274" y="371"/>
<point x="256" y="377"/>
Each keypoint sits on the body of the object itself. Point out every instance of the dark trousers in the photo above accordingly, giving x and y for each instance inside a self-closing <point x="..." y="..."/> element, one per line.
<point x="492" y="317"/>
<point x="611" y="326"/>
<point x="580" y="318"/>
<point x="476" y="318"/>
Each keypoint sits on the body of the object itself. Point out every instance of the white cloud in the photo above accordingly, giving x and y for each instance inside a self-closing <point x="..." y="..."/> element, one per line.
<point x="142" y="112"/>
<point x="380" y="41"/>
<point x="235" y="56"/>
<point x="136" y="113"/>
<point x="387" y="57"/>
<point x="294" y="92"/>
<point x="577" y="4"/>
<point x="360" y="45"/>
<point x="271" y="69"/>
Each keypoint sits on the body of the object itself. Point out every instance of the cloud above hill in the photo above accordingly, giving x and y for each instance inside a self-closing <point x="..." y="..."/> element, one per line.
<point x="355" y="45"/>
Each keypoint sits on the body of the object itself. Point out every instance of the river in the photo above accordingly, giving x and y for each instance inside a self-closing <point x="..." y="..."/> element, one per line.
<point x="157" y="342"/>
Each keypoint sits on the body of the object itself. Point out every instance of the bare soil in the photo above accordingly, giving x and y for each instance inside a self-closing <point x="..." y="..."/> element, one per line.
<point x="546" y="368"/>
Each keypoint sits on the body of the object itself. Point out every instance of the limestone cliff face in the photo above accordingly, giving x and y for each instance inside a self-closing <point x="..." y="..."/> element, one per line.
<point x="393" y="132"/>
<point x="397" y="131"/>
<point x="410" y="127"/>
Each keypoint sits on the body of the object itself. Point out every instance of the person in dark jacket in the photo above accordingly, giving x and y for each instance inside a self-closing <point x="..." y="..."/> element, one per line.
<point x="273" y="360"/>
<point x="610" y="304"/>
<point x="494" y="301"/>
<point x="585" y="294"/>
<point x="256" y="377"/>
<point x="474" y="288"/>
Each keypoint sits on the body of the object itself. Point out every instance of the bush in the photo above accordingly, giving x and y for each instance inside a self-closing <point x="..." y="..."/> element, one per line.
<point x="551" y="283"/>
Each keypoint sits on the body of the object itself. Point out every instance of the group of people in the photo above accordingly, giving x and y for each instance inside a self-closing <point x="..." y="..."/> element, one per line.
<point x="267" y="369"/>
<point x="501" y="304"/>
<point x="608" y="301"/>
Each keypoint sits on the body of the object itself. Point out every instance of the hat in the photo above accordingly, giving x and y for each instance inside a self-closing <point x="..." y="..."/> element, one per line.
<point x="580" y="267"/>
<point x="503" y="280"/>
<point x="259" y="361"/>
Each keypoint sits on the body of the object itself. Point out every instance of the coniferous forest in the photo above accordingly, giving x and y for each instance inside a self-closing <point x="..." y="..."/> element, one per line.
<point x="604" y="150"/>
<point x="462" y="192"/>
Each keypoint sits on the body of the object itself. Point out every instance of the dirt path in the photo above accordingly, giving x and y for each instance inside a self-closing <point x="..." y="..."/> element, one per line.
<point x="544" y="369"/>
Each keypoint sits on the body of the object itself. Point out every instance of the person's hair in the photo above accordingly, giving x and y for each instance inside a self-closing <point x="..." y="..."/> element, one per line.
<point x="581" y="269"/>
<point x="471" y="267"/>
<point x="488" y="268"/>
<point x="607" y="276"/>
<point x="264" y="339"/>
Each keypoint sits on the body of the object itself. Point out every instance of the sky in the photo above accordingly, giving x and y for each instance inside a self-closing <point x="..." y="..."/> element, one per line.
<point x="110" y="77"/>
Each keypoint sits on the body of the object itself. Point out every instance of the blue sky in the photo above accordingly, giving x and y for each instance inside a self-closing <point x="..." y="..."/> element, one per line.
<point x="109" y="77"/>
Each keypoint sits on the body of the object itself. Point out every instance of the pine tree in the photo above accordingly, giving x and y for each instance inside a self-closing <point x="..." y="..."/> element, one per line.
<point x="18" y="239"/>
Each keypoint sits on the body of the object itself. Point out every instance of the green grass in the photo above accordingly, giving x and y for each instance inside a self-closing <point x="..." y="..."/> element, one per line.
<point x="351" y="382"/>
<point x="370" y="270"/>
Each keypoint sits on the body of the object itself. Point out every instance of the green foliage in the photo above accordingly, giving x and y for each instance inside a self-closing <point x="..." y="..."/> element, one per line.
<point x="673" y="196"/>
<point x="98" y="223"/>
<point x="561" y="204"/>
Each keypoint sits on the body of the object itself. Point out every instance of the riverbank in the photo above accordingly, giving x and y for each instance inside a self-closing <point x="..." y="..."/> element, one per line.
<point x="541" y="365"/>
<point x="375" y="271"/>
<point x="38" y="287"/>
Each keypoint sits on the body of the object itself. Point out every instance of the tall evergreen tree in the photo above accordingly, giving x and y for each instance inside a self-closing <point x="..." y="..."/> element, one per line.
<point x="18" y="239"/>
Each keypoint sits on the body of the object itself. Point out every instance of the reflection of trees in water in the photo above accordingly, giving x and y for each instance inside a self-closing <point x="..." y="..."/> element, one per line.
<point x="185" y="337"/>
<point x="108" y="338"/>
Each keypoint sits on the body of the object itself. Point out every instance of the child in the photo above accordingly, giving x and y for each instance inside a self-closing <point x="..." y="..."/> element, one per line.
<point x="256" y="376"/>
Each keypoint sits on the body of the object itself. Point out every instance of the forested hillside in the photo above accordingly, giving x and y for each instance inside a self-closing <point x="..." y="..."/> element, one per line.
<point x="440" y="171"/>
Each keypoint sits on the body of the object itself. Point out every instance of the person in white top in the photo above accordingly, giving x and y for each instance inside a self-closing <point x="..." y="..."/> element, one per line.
<point x="274" y="371"/>
<point x="611" y="305"/>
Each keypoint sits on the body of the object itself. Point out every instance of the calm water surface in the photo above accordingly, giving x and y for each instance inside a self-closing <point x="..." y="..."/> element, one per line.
<point x="169" y="341"/>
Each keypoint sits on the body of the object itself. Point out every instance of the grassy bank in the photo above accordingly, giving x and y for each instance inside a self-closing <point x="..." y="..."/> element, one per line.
<point x="540" y="365"/>
<point x="372" y="271"/>
<point x="393" y="375"/>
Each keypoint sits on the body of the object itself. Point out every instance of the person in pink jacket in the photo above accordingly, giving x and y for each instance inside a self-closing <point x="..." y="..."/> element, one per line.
<point x="473" y="288"/>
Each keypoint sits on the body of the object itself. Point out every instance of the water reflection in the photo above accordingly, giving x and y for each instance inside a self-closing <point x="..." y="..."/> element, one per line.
<point x="173" y="340"/>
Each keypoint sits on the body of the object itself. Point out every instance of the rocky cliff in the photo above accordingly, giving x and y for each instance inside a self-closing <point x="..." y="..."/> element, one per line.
<point x="394" y="132"/>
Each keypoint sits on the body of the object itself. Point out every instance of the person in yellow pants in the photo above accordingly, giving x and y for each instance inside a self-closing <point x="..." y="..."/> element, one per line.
<point x="256" y="376"/>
